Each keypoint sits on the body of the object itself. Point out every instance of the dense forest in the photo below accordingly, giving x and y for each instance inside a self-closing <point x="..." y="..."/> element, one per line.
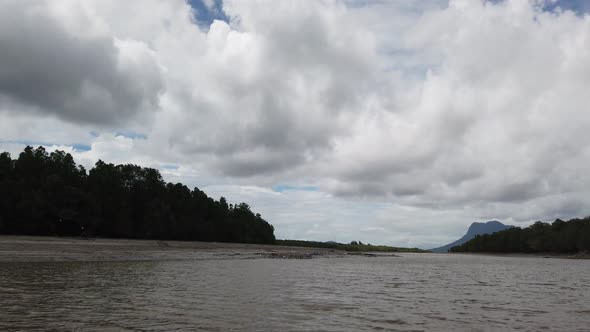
<point x="559" y="237"/>
<point x="48" y="194"/>
<point x="352" y="246"/>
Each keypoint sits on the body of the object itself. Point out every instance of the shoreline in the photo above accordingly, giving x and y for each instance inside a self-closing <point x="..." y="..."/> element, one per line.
<point x="579" y="255"/>
<point x="28" y="249"/>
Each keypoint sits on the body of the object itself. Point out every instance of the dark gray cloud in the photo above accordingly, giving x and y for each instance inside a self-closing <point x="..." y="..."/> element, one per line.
<point x="78" y="75"/>
<point x="257" y="162"/>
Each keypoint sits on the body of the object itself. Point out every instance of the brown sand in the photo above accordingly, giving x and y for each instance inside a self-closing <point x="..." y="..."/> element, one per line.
<point x="52" y="249"/>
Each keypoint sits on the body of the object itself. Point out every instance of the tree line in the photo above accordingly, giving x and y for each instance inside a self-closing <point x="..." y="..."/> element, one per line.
<point x="48" y="194"/>
<point x="352" y="246"/>
<point x="559" y="237"/>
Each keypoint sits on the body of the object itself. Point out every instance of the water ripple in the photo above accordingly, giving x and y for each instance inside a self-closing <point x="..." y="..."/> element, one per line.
<point x="410" y="293"/>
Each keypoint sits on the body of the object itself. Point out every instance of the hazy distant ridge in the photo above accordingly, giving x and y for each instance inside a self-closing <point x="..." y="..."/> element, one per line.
<point x="477" y="228"/>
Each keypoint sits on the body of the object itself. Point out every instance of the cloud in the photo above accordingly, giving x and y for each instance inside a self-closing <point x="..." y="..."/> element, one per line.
<point x="409" y="119"/>
<point x="57" y="59"/>
<point x="269" y="91"/>
<point x="491" y="122"/>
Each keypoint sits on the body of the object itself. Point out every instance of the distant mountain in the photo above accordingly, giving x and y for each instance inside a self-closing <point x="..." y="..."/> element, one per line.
<point x="477" y="228"/>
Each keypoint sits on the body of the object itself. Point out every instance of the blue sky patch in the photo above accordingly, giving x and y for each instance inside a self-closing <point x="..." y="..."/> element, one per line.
<point x="169" y="167"/>
<point x="579" y="7"/>
<point x="81" y="147"/>
<point x="205" y="14"/>
<point x="34" y="144"/>
<point x="283" y="187"/>
<point x="130" y="134"/>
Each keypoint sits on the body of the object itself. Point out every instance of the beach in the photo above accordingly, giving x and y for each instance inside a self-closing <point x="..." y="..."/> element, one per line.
<point x="58" y="249"/>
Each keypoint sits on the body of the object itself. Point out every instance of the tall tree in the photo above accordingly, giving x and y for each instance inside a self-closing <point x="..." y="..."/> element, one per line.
<point x="48" y="194"/>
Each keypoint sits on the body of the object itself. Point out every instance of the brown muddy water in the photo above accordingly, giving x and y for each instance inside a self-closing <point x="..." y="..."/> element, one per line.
<point x="416" y="292"/>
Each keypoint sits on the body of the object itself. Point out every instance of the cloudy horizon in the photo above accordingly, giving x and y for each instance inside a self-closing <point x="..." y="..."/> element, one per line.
<point x="388" y="122"/>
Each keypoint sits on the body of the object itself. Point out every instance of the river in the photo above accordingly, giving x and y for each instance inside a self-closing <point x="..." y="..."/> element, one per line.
<point x="415" y="292"/>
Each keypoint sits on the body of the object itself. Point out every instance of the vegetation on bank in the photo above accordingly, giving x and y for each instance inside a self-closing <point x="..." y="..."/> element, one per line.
<point x="559" y="237"/>
<point x="48" y="194"/>
<point x="354" y="246"/>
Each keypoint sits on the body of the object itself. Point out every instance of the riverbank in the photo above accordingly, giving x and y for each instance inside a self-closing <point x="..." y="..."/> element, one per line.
<point x="579" y="255"/>
<point x="56" y="249"/>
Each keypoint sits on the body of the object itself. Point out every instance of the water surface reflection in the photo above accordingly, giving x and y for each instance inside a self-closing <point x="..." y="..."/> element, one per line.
<point x="414" y="292"/>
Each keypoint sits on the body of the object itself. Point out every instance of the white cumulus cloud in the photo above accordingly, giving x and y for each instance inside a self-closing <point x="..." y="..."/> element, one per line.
<point x="408" y="119"/>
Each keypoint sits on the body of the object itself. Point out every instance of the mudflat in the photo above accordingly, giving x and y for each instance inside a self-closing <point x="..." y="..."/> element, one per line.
<point x="56" y="249"/>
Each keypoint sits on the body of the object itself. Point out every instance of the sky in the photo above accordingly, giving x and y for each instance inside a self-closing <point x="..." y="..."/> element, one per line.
<point x="389" y="122"/>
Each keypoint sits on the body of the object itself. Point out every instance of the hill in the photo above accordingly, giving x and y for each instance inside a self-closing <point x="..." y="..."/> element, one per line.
<point x="571" y="236"/>
<point x="475" y="229"/>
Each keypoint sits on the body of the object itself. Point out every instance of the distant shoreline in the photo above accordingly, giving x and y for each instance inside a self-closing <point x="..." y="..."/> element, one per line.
<point x="526" y="255"/>
<point x="17" y="248"/>
<point x="29" y="249"/>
